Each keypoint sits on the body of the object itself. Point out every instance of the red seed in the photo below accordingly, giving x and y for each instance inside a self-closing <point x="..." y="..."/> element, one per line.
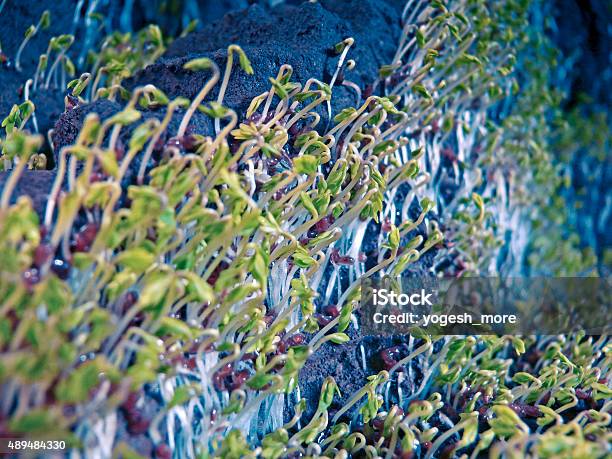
<point x="386" y="226"/>
<point x="378" y="424"/>
<point x="346" y="260"/>
<point x="447" y="452"/>
<point x="582" y="394"/>
<point x="137" y="423"/>
<point x="42" y="253"/>
<point x="281" y="348"/>
<point x="294" y="130"/>
<point x="173" y="142"/>
<point x="296" y="339"/>
<point x="191" y="363"/>
<point x="531" y="411"/>
<point x="390" y="356"/>
<point x="255" y="117"/>
<point x="249" y="356"/>
<point x="435" y="126"/>
<point x="78" y="244"/>
<point x="130" y="402"/>
<point x="225" y="370"/>
<point x="238" y="379"/>
<point x="322" y="225"/>
<point x="212" y="280"/>
<point x="163" y="451"/>
<point x="84" y="238"/>
<point x="338" y="259"/>
<point x="128" y="300"/>
<point x="96" y="177"/>
<point x="525" y="410"/>
<point x="30" y="278"/>
<point x="325" y="223"/>
<point x="189" y="143"/>
<point x="321" y="319"/>
<point x="218" y="382"/>
<point x="331" y="310"/>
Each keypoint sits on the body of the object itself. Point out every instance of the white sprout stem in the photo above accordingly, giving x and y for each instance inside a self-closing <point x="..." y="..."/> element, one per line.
<point x="26" y="94"/>
<point x="151" y="146"/>
<point x="347" y="45"/>
<point x="197" y="101"/>
<point x="224" y="83"/>
<point x="12" y="183"/>
<point x="55" y="189"/>
<point x="53" y="68"/>
<point x="23" y="44"/>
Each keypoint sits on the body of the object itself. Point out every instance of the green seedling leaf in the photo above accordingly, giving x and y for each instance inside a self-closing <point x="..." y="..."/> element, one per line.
<point x="174" y="327"/>
<point x="339" y="338"/>
<point x="196" y="65"/>
<point x="244" y="61"/>
<point x="125" y="117"/>
<point x="45" y="20"/>
<point x="137" y="259"/>
<point x="306" y="164"/>
<point x="215" y="110"/>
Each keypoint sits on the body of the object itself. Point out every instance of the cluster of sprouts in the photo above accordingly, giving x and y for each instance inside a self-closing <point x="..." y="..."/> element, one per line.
<point x="202" y="285"/>
<point x="119" y="56"/>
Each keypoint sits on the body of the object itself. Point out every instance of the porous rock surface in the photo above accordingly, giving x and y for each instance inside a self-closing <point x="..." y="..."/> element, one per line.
<point x="302" y="36"/>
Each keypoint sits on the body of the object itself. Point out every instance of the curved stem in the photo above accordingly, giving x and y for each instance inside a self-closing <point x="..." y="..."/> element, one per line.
<point x="54" y="67"/>
<point x="55" y="189"/>
<point x="197" y="101"/>
<point x="11" y="183"/>
<point x="151" y="146"/>
<point x="224" y="83"/>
